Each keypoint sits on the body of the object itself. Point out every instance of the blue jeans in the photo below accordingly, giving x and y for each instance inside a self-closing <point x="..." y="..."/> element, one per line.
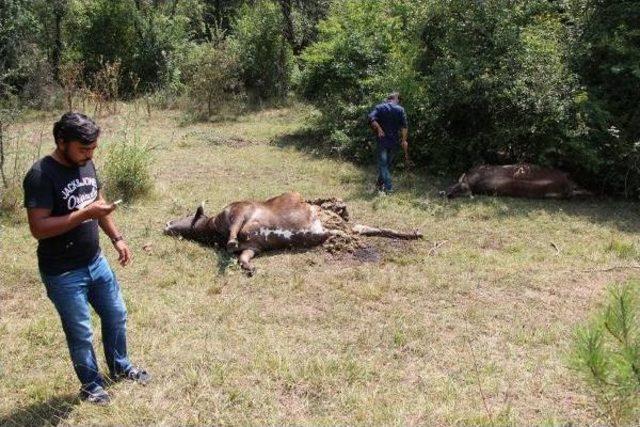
<point x="386" y="157"/>
<point x="71" y="293"/>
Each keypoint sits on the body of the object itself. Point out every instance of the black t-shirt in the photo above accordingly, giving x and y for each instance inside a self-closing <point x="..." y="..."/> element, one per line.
<point x="51" y="185"/>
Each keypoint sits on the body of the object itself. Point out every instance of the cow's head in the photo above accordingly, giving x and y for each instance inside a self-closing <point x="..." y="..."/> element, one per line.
<point x="460" y="188"/>
<point x="192" y="227"/>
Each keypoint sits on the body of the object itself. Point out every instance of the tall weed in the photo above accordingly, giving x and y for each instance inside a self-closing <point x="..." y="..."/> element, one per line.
<point x="127" y="169"/>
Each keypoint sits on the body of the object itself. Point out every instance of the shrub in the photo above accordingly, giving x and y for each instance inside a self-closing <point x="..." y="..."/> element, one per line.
<point x="144" y="41"/>
<point x="498" y="83"/>
<point x="357" y="60"/>
<point x="607" y="59"/>
<point x="18" y="29"/>
<point x="264" y="54"/>
<point x="211" y="77"/>
<point x="127" y="169"/>
<point x="607" y="354"/>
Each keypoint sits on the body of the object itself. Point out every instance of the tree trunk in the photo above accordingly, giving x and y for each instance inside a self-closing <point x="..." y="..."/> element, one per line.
<point x="287" y="21"/>
<point x="59" y="11"/>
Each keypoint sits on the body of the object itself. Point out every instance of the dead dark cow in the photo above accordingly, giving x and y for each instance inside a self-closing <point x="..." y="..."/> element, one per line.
<point x="520" y="180"/>
<point x="286" y="221"/>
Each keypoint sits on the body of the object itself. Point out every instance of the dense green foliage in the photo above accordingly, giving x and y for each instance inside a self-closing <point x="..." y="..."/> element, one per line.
<point x="360" y="56"/>
<point x="487" y="81"/>
<point x="211" y="74"/>
<point x="264" y="54"/>
<point x="607" y="354"/>
<point x="607" y="62"/>
<point x="144" y="40"/>
<point x="19" y="31"/>
<point x="496" y="83"/>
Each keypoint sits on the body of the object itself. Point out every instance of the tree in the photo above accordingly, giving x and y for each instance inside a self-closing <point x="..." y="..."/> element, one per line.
<point x="264" y="54"/>
<point x="18" y="29"/>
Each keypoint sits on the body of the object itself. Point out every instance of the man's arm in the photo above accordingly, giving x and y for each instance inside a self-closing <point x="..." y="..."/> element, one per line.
<point x="43" y="225"/>
<point x="377" y="128"/>
<point x="373" y="122"/>
<point x="404" y="132"/>
<point x="108" y="226"/>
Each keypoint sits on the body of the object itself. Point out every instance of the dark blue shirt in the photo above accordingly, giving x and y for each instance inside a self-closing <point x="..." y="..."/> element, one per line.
<point x="391" y="117"/>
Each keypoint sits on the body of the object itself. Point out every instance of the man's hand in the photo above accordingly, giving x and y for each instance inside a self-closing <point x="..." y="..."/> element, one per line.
<point x="99" y="209"/>
<point x="124" y="253"/>
<point x="405" y="147"/>
<point x="377" y="128"/>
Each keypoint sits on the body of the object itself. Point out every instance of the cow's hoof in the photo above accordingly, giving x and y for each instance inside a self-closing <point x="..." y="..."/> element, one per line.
<point x="232" y="245"/>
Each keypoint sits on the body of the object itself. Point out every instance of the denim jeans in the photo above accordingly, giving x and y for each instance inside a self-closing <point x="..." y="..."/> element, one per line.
<point x="71" y="293"/>
<point x="386" y="157"/>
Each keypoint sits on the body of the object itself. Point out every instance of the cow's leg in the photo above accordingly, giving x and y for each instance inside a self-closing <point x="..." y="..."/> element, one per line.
<point x="234" y="229"/>
<point x="365" y="230"/>
<point x="245" y="261"/>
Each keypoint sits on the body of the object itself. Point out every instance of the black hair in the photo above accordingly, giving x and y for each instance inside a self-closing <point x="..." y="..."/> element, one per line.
<point x="76" y="127"/>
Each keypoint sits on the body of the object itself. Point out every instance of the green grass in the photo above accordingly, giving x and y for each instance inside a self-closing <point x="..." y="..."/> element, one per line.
<point x="471" y="325"/>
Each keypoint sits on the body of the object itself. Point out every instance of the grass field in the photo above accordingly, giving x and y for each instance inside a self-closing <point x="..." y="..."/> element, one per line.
<point x="472" y="325"/>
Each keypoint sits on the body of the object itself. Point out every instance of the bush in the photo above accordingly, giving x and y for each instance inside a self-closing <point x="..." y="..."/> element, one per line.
<point x="265" y="57"/>
<point x="488" y="82"/>
<point x="211" y="77"/>
<point x="18" y="29"/>
<point x="144" y="41"/>
<point x="357" y="60"/>
<point x="498" y="84"/>
<point x="127" y="169"/>
<point x="607" y="59"/>
<point x="607" y="354"/>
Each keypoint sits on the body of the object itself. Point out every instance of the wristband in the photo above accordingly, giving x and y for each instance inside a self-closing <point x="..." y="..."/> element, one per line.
<point x="116" y="239"/>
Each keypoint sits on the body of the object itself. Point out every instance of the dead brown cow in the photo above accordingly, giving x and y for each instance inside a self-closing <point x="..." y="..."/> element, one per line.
<point x="286" y="221"/>
<point x="519" y="180"/>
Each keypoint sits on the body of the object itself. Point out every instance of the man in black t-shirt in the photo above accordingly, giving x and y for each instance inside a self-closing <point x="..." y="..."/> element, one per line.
<point x="65" y="208"/>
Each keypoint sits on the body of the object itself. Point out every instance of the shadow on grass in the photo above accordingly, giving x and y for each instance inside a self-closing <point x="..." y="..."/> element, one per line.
<point x="308" y="141"/>
<point x="49" y="413"/>
<point x="421" y="190"/>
